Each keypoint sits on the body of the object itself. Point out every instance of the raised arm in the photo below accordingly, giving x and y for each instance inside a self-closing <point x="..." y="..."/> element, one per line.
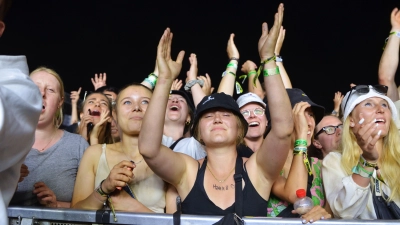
<point x="390" y="57"/>
<point x="227" y="83"/>
<point x="249" y="68"/>
<point x="279" y="63"/>
<point x="99" y="81"/>
<point x="337" y="100"/>
<point x="74" y="105"/>
<point x="192" y="83"/>
<point x="167" y="164"/>
<point x="277" y="143"/>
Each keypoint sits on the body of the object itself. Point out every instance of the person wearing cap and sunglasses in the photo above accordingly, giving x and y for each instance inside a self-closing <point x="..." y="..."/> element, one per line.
<point x="220" y="126"/>
<point x="328" y="133"/>
<point x="368" y="162"/>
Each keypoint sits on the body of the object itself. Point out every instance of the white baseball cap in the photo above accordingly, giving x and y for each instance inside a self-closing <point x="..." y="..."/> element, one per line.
<point x="249" y="98"/>
<point x="356" y="98"/>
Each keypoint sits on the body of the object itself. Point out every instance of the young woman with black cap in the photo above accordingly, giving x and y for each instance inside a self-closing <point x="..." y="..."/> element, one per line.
<point x="218" y="124"/>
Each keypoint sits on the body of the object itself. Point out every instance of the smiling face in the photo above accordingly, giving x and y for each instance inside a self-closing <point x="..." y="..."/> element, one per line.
<point x="132" y="103"/>
<point x="370" y="109"/>
<point x="328" y="142"/>
<point x="177" y="109"/>
<point x="95" y="103"/>
<point x="218" y="127"/>
<point x="257" y="123"/>
<point x="50" y="89"/>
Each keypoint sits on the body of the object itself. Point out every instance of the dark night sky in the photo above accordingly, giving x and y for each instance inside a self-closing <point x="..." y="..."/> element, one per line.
<point x="328" y="44"/>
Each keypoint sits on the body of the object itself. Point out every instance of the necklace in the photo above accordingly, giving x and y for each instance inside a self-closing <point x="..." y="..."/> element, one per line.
<point x="220" y="181"/>
<point x="136" y="163"/>
<point x="41" y="150"/>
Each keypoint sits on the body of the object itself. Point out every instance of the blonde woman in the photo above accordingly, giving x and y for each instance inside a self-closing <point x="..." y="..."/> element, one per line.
<point x="53" y="161"/>
<point x="369" y="161"/>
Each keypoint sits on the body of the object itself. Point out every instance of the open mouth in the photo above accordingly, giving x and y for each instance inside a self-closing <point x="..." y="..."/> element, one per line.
<point x="174" y="108"/>
<point x="379" y="121"/>
<point x="254" y="124"/>
<point x="95" y="113"/>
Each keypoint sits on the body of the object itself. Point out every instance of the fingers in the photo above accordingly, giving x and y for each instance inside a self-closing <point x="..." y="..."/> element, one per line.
<point x="180" y="57"/>
<point x="264" y="29"/>
<point x="315" y="214"/>
<point x="105" y="77"/>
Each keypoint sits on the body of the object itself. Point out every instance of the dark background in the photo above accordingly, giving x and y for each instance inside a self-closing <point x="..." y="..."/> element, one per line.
<point x="328" y="45"/>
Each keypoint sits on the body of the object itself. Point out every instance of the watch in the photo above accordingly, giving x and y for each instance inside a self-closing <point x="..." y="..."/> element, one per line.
<point x="278" y="58"/>
<point x="334" y="112"/>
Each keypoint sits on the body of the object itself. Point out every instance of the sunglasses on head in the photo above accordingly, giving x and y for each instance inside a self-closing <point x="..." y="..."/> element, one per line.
<point x="329" y="130"/>
<point x="365" y="89"/>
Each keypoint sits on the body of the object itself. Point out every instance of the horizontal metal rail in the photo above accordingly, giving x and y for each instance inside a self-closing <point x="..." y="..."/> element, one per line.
<point x="47" y="216"/>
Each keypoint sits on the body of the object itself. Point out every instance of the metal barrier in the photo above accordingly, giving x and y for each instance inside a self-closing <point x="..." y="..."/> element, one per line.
<point x="46" y="216"/>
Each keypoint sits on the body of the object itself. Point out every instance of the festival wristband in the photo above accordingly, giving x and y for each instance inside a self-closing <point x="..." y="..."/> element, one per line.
<point x="300" y="142"/>
<point x="261" y="68"/>
<point x="271" y="72"/>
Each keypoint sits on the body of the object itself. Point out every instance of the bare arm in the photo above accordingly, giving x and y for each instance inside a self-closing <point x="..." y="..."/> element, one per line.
<point x="227" y="83"/>
<point x="197" y="92"/>
<point x="74" y="105"/>
<point x="165" y="163"/>
<point x="271" y="157"/>
<point x="278" y="46"/>
<point x="390" y="58"/>
<point x="298" y="174"/>
<point x="84" y="196"/>
<point x="249" y="68"/>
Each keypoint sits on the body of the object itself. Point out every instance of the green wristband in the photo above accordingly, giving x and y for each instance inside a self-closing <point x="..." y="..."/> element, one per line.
<point x="300" y="142"/>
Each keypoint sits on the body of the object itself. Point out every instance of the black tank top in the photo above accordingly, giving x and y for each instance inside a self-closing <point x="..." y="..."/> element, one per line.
<point x="198" y="203"/>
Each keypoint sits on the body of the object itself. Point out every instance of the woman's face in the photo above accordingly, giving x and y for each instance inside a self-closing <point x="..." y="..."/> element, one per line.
<point x="177" y="109"/>
<point x="370" y="109"/>
<point x="131" y="107"/>
<point x="218" y="128"/>
<point x="97" y="104"/>
<point x="50" y="90"/>
<point x="257" y="124"/>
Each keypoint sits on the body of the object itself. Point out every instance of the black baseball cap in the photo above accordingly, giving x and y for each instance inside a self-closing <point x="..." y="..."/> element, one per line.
<point x="222" y="101"/>
<point x="187" y="96"/>
<point x="296" y="95"/>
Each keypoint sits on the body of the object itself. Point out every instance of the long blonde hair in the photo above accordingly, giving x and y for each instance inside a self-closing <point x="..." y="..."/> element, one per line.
<point x="389" y="160"/>
<point x="58" y="119"/>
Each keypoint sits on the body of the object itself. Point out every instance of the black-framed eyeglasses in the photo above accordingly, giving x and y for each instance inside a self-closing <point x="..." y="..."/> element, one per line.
<point x="256" y="111"/>
<point x="329" y="129"/>
<point x="365" y="89"/>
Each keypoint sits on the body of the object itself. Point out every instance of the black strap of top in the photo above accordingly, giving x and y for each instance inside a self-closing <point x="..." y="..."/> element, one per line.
<point x="238" y="186"/>
<point x="175" y="143"/>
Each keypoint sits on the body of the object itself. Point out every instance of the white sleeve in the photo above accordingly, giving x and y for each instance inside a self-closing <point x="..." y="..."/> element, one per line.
<point x="347" y="199"/>
<point x="190" y="146"/>
<point x="20" y="107"/>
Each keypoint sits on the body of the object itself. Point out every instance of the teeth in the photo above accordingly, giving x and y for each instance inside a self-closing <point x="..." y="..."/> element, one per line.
<point x="174" y="107"/>
<point x="308" y="132"/>
<point x="254" y="124"/>
<point x="379" y="120"/>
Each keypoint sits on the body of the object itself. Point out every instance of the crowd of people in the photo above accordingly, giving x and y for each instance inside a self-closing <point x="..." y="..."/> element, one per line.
<point x="163" y="141"/>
